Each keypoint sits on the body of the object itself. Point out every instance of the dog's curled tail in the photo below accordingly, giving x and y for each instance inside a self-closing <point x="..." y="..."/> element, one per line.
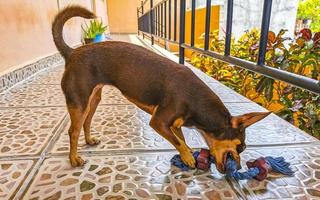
<point x="59" y="21"/>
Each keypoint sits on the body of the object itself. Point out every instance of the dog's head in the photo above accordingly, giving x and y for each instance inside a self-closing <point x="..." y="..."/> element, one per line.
<point x="232" y="141"/>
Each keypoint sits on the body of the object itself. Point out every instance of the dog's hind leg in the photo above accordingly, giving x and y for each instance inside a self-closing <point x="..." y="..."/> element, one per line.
<point x="160" y="122"/>
<point x="78" y="107"/>
<point x="95" y="100"/>
<point x="77" y="115"/>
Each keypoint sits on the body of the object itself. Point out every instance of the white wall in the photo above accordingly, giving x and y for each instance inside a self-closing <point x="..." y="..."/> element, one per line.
<point x="247" y="14"/>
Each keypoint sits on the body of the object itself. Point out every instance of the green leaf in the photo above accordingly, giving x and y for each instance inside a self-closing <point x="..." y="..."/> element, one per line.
<point x="310" y="61"/>
<point x="269" y="90"/>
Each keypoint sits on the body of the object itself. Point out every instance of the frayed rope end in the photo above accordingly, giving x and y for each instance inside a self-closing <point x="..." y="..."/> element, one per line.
<point x="278" y="164"/>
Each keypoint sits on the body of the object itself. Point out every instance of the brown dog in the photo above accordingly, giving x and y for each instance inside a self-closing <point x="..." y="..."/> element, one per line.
<point x="170" y="92"/>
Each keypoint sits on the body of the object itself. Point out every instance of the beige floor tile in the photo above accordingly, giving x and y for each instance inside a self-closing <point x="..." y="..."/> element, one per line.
<point x="12" y="173"/>
<point x="148" y="176"/>
<point x="25" y="131"/>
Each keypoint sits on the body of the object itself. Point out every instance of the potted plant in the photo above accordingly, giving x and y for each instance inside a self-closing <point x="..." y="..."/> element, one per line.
<point x="94" y="32"/>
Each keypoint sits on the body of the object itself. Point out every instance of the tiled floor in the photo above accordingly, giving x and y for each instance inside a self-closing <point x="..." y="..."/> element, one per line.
<point x="132" y="161"/>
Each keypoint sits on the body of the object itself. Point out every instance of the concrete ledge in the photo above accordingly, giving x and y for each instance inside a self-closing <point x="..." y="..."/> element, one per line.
<point x="11" y="78"/>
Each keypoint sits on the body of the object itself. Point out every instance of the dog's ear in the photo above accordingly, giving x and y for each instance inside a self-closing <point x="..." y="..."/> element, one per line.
<point x="248" y="119"/>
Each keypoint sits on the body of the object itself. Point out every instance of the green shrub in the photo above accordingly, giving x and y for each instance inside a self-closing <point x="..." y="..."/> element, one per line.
<point x="310" y="9"/>
<point x="300" y="55"/>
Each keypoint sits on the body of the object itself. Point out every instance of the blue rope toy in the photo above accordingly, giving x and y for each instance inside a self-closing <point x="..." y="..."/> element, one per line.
<point x="257" y="169"/>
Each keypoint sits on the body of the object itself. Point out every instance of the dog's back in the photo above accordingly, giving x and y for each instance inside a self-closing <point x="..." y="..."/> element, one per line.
<point x="137" y="72"/>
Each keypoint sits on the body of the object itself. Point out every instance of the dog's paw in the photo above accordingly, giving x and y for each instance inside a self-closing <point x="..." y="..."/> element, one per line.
<point x="188" y="159"/>
<point x="93" y="141"/>
<point x="77" y="161"/>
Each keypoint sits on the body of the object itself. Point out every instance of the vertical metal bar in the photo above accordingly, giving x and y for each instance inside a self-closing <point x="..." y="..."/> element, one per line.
<point x="264" y="31"/>
<point x="207" y="28"/>
<point x="156" y="10"/>
<point x="161" y="25"/>
<point x="193" y="20"/>
<point x="142" y="7"/>
<point x="175" y="21"/>
<point x="165" y="19"/>
<point x="138" y="20"/>
<point x="228" y="28"/>
<point x="169" y="20"/>
<point x="142" y="12"/>
<point x="156" y="20"/>
<point x="151" y="22"/>
<point x="182" y="30"/>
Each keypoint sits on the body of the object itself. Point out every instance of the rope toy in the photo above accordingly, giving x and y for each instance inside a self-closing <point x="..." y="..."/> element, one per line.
<point x="257" y="169"/>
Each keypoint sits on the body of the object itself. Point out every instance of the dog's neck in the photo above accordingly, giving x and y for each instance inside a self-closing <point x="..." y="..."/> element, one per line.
<point x="211" y="116"/>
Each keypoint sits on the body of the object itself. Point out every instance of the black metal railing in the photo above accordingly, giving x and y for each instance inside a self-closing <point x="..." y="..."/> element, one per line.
<point x="153" y="24"/>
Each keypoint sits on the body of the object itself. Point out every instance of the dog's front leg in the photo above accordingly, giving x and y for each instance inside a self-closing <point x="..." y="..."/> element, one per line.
<point x="178" y="133"/>
<point x="159" y="123"/>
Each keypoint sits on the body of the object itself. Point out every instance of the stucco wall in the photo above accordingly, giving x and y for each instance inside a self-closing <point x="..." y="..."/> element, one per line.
<point x="122" y="15"/>
<point x="25" y="28"/>
<point x="101" y="10"/>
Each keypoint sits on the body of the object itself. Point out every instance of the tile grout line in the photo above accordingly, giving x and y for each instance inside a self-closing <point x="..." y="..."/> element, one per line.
<point x="19" y="157"/>
<point x="42" y="84"/>
<point x="127" y="152"/>
<point x="59" y="106"/>
<point x="101" y="104"/>
<point x="137" y="151"/>
<point x="25" y="107"/>
<point x="28" y="180"/>
<point x="284" y="145"/>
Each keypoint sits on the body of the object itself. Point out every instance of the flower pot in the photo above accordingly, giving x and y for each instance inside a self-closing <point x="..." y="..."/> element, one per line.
<point x="99" y="38"/>
<point x="88" y="40"/>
